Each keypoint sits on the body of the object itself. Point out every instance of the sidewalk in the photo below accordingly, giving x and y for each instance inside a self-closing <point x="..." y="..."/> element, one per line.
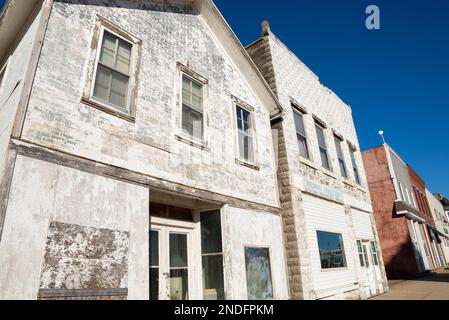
<point x="432" y="287"/>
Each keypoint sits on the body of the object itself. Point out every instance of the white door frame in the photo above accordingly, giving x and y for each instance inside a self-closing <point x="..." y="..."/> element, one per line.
<point x="192" y="230"/>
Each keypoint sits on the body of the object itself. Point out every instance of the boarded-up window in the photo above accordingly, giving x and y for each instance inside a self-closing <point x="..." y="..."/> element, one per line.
<point x="84" y="259"/>
<point x="258" y="274"/>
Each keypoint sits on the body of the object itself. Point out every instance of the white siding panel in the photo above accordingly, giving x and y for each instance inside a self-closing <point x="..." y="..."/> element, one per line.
<point x="322" y="215"/>
<point x="362" y="225"/>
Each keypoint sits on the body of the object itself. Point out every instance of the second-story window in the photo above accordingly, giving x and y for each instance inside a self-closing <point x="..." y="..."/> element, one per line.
<point x="192" y="108"/>
<point x="355" y="167"/>
<point x="113" y="71"/>
<point x="245" y="135"/>
<point x="322" y="146"/>
<point x="301" y="134"/>
<point x="340" y="157"/>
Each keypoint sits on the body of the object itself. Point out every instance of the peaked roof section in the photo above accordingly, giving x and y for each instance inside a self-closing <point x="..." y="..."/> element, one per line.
<point x="15" y="13"/>
<point x="263" y="41"/>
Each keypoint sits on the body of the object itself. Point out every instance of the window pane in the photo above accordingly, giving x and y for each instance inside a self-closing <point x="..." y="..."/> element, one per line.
<point x="342" y="168"/>
<point x="320" y="136"/>
<point x="258" y="274"/>
<point x="123" y="57"/>
<point x="178" y="250"/>
<point x="119" y="88"/>
<point x="179" y="284"/>
<point x="299" y="123"/>
<point x="303" y="148"/>
<point x="192" y="93"/>
<point x="213" y="283"/>
<point x="324" y="158"/>
<point x="211" y="232"/>
<point x="108" y="49"/>
<point x="154" y="248"/>
<point x="246" y="147"/>
<point x="332" y="252"/>
<point x="338" y="147"/>
<point x="154" y="284"/>
<point x="192" y="122"/>
<point x="111" y="86"/>
<point x="365" y="254"/>
<point x="102" y="83"/>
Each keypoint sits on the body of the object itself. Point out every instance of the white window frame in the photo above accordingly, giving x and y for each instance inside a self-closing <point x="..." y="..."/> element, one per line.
<point x="102" y="25"/>
<point x="236" y="102"/>
<point x="97" y="62"/>
<point x="340" y="141"/>
<point x="182" y="71"/>
<point x="323" y="127"/>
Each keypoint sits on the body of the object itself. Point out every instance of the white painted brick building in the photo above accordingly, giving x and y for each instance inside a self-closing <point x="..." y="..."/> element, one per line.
<point x="323" y="188"/>
<point x="135" y="127"/>
<point x="97" y="136"/>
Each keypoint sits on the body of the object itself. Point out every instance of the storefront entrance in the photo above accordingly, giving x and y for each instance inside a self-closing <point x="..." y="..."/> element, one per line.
<point x="171" y="258"/>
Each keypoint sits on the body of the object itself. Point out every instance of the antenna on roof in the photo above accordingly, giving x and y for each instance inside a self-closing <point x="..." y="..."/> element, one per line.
<point x="381" y="133"/>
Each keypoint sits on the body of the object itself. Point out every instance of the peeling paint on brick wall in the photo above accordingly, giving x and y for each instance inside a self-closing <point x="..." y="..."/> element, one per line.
<point x="79" y="257"/>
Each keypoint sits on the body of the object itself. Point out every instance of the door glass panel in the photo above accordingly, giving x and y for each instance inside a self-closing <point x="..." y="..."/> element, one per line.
<point x="178" y="250"/>
<point x="178" y="284"/>
<point x="178" y="267"/>
<point x="154" y="265"/>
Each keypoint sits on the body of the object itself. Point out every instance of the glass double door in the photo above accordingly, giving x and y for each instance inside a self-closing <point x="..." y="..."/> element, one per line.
<point x="169" y="263"/>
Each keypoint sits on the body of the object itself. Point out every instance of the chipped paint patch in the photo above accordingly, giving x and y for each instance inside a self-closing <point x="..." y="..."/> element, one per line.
<point x="78" y="257"/>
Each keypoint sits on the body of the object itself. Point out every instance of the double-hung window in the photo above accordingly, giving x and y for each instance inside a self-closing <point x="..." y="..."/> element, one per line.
<point x="245" y="135"/>
<point x="192" y="108"/>
<point x="322" y="146"/>
<point x="374" y="253"/>
<point x="113" y="72"/>
<point x="111" y="84"/>
<point x="340" y="157"/>
<point x="354" y="167"/>
<point x="301" y="134"/>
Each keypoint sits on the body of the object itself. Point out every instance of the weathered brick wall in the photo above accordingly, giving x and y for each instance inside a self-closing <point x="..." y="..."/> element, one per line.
<point x="397" y="248"/>
<point x="170" y="33"/>
<point x="295" y="82"/>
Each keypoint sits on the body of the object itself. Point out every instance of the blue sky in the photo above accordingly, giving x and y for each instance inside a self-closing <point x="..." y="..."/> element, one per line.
<point x="395" y="79"/>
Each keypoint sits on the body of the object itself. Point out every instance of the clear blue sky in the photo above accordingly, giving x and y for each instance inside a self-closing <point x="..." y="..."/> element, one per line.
<point x="395" y="79"/>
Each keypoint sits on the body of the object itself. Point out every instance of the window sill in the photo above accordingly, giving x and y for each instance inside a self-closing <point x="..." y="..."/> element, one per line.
<point x="308" y="163"/>
<point x="247" y="164"/>
<point x="361" y="188"/>
<point x="191" y="142"/>
<point x="329" y="173"/>
<point x="102" y="107"/>
<point x="348" y="182"/>
<point x="335" y="269"/>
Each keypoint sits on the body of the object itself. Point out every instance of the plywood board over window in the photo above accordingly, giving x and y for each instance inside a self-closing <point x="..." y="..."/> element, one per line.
<point x="84" y="262"/>
<point x="113" y="70"/>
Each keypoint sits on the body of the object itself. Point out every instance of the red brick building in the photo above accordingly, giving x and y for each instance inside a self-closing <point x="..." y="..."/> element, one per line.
<point x="401" y="221"/>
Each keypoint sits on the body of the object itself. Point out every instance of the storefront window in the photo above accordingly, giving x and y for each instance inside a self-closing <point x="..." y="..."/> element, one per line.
<point x="332" y="251"/>
<point x="258" y="274"/>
